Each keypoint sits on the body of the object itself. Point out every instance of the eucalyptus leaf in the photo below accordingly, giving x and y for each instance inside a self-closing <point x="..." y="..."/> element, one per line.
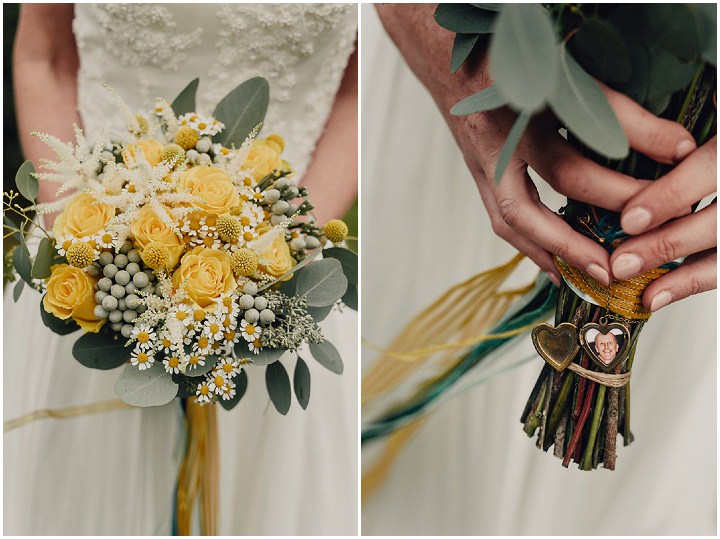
<point x="293" y="271"/>
<point x="43" y="259"/>
<point x="581" y="104"/>
<point x="657" y="105"/>
<point x="636" y="87"/>
<point x="672" y="27"/>
<point x="265" y="356"/>
<point x="708" y="15"/>
<point x="26" y="182"/>
<point x="301" y="383"/>
<point x="488" y="7"/>
<point x="242" y="110"/>
<point x="464" y="18"/>
<point x="102" y="351"/>
<point x="511" y="143"/>
<point x="599" y="48"/>
<point x="351" y="297"/>
<point x="667" y="74"/>
<point x="322" y="283"/>
<point x="523" y="56"/>
<point x="241" y="384"/>
<point x="17" y="290"/>
<point x="462" y="47"/>
<point x="185" y="101"/>
<point x="151" y="387"/>
<point x="327" y="355"/>
<point x="320" y="313"/>
<point x="486" y="99"/>
<point x="348" y="259"/>
<point x="194" y="371"/>
<point x="61" y="327"/>
<point x="22" y="263"/>
<point x="9" y="225"/>
<point x="278" y="386"/>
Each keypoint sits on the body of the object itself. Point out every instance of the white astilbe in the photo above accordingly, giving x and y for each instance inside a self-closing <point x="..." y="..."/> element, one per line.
<point x="130" y="120"/>
<point x="164" y="111"/>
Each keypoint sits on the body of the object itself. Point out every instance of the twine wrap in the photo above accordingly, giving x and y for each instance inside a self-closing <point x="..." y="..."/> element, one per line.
<point x="609" y="380"/>
<point x="621" y="297"/>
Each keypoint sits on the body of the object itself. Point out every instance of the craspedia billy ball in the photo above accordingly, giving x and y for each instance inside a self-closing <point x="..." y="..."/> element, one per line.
<point x="186" y="137"/>
<point x="156" y="255"/>
<point x="80" y="254"/>
<point x="244" y="262"/>
<point x="229" y="228"/>
<point x="336" y="230"/>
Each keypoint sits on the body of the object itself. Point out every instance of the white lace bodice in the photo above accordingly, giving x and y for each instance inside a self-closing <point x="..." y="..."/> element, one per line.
<point x="145" y="51"/>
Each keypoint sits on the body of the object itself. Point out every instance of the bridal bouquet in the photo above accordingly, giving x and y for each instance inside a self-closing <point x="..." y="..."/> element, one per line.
<point x="185" y="252"/>
<point x="663" y="56"/>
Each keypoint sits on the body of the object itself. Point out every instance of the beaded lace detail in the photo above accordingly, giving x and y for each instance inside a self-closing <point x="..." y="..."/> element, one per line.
<point x="153" y="50"/>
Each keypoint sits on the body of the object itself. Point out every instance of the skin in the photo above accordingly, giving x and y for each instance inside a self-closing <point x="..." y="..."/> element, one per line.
<point x="607" y="347"/>
<point x="515" y="209"/>
<point x="45" y="63"/>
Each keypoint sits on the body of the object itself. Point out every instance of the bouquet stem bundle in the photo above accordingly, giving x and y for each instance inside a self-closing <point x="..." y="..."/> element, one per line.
<point x="581" y="417"/>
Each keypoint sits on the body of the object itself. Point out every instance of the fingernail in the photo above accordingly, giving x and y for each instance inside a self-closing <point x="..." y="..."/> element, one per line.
<point x="635" y="220"/>
<point x="554" y="279"/>
<point x="684" y="148"/>
<point x="661" y="300"/>
<point x="626" y="265"/>
<point x="597" y="273"/>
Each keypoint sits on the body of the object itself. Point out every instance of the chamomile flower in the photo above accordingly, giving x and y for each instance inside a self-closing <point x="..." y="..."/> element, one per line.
<point x="165" y="344"/>
<point x="203" y="393"/>
<point x="217" y="381"/>
<point x="144" y="335"/>
<point x="229" y="366"/>
<point x="106" y="239"/>
<point x="248" y="236"/>
<point x="229" y="322"/>
<point x="183" y="313"/>
<point x="227" y="305"/>
<point x="194" y="362"/>
<point x="230" y="336"/>
<point x="213" y="329"/>
<point x="255" y="346"/>
<point x="228" y="390"/>
<point x="172" y="364"/>
<point x="205" y="125"/>
<point x="141" y="359"/>
<point x="63" y="243"/>
<point x="203" y="345"/>
<point x="249" y="331"/>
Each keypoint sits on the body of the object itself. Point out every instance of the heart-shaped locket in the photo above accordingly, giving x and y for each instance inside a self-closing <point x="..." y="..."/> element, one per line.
<point x="557" y="345"/>
<point x="606" y="344"/>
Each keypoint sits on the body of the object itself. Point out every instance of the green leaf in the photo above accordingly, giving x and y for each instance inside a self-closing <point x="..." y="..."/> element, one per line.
<point x="464" y="19"/>
<point x="599" y="48"/>
<point x="9" y="225"/>
<point x="707" y="13"/>
<point x="673" y="28"/>
<point x="264" y="357"/>
<point x="523" y="56"/>
<point x="322" y="283"/>
<point x="102" y="351"/>
<point x="667" y="74"/>
<point x="185" y="101"/>
<point x="43" y="259"/>
<point x="348" y="259"/>
<point x="579" y="101"/>
<point x="511" y="143"/>
<point x="320" y="313"/>
<point x="462" y="47"/>
<point x="351" y="297"/>
<point x="241" y="384"/>
<point x="151" y="387"/>
<point x="22" y="262"/>
<point x="26" y="183"/>
<point x="201" y="370"/>
<point x="327" y="355"/>
<point x="242" y="110"/>
<point x="278" y="386"/>
<point x="61" y="327"/>
<point x="17" y="290"/>
<point x="488" y="7"/>
<point x="486" y="99"/>
<point x="636" y="86"/>
<point x="301" y="383"/>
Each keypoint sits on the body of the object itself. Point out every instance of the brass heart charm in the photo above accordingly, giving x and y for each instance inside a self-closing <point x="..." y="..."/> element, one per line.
<point x="558" y="346"/>
<point x="606" y="344"/>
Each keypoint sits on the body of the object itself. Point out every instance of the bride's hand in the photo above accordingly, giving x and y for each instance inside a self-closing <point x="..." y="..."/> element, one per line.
<point x="658" y="216"/>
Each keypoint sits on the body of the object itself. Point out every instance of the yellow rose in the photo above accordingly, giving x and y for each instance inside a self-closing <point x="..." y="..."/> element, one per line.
<point x="264" y="157"/>
<point x="71" y="293"/>
<point x="151" y="149"/>
<point x="148" y="227"/>
<point x="213" y="186"/>
<point x="276" y="260"/>
<point x="83" y="217"/>
<point x="207" y="275"/>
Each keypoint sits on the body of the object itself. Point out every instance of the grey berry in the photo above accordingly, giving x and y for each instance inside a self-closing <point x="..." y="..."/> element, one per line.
<point x="126" y="247"/>
<point x="126" y="330"/>
<point x="115" y="317"/>
<point x="129" y="315"/>
<point x="110" y="270"/>
<point x="246" y="301"/>
<point x="132" y="268"/>
<point x="267" y="316"/>
<point x="134" y="256"/>
<point x="272" y="196"/>
<point x="140" y="280"/>
<point x="122" y="277"/>
<point x="117" y="326"/>
<point x="104" y="284"/>
<point x="106" y="257"/>
<point x="250" y="288"/>
<point x="280" y="207"/>
<point x="130" y="288"/>
<point x="100" y="295"/>
<point x="100" y="313"/>
<point x="311" y="242"/>
<point x="109" y="303"/>
<point x="132" y="301"/>
<point x="261" y="303"/>
<point x="121" y="260"/>
<point x="117" y="290"/>
<point x="252" y="315"/>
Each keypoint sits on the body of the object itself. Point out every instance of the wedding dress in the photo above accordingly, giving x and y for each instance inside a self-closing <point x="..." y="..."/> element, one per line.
<point x="470" y="469"/>
<point x="114" y="472"/>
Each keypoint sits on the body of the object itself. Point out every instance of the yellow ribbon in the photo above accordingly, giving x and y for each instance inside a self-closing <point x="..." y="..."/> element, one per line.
<point x="64" y="413"/>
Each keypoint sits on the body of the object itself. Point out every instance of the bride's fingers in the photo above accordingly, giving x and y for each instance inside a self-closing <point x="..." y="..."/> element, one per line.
<point x="697" y="274"/>
<point x="576" y="177"/>
<point x="682" y="237"/>
<point x="531" y="219"/>
<point x="673" y="194"/>
<point x="662" y="140"/>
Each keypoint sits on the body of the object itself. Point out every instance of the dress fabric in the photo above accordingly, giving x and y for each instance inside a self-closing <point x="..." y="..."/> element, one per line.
<point x="114" y="472"/>
<point x="471" y="470"/>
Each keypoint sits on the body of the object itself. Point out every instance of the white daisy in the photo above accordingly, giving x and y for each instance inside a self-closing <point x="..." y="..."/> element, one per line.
<point x="106" y="239"/>
<point x="217" y="381"/>
<point x="250" y="332"/>
<point x="172" y="364"/>
<point x="144" y="335"/>
<point x="194" y="361"/>
<point x="255" y="346"/>
<point x="213" y="329"/>
<point x="229" y="366"/>
<point x="202" y="346"/>
<point x="228" y="390"/>
<point x="141" y="359"/>
<point x="203" y="393"/>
